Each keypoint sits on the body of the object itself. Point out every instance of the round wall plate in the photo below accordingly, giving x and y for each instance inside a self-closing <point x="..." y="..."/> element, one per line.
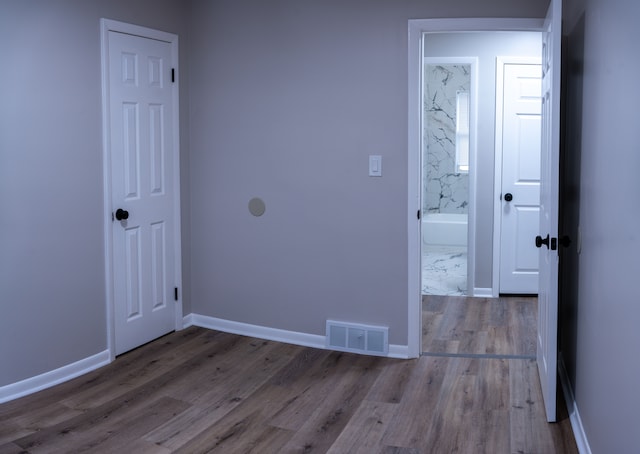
<point x="257" y="206"/>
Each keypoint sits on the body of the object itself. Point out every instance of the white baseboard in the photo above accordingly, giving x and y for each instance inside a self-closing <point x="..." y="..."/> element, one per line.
<point x="398" y="351"/>
<point x="274" y="334"/>
<point x="54" y="377"/>
<point x="261" y="332"/>
<point x="572" y="407"/>
<point x="482" y="292"/>
<point x="187" y="321"/>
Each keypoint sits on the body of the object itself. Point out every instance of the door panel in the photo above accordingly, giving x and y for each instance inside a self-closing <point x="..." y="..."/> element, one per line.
<point x="133" y="273"/>
<point x="142" y="169"/>
<point x="547" y="345"/>
<point x="520" y="178"/>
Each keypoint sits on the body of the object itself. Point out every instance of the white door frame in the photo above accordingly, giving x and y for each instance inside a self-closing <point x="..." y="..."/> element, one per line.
<point x="417" y="28"/>
<point x="497" y="186"/>
<point x="107" y="25"/>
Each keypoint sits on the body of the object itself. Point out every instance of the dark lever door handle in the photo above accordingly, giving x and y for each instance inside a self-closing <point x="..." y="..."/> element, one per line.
<point x="121" y="214"/>
<point x="540" y="241"/>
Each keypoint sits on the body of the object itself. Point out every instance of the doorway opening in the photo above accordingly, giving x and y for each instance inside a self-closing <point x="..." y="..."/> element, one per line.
<point x="459" y="165"/>
<point x="448" y="136"/>
<point x="480" y="269"/>
<point x="422" y="33"/>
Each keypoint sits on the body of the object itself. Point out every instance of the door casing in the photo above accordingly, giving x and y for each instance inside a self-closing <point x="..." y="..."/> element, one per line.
<point x="107" y="25"/>
<point x="417" y="29"/>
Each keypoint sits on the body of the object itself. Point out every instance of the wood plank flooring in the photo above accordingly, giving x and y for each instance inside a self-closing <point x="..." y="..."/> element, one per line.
<point x="199" y="391"/>
<point x="479" y="326"/>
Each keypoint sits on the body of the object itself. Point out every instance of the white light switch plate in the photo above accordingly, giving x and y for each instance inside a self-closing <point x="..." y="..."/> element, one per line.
<point x="375" y="165"/>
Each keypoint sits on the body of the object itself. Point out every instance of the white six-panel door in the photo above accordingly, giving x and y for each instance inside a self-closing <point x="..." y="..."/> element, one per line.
<point x="520" y="195"/>
<point x="141" y="138"/>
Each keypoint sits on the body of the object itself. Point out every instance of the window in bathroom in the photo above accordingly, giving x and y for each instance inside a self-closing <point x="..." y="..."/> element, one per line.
<point x="462" y="132"/>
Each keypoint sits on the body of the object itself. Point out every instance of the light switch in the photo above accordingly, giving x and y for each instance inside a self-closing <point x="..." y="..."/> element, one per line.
<point x="375" y="165"/>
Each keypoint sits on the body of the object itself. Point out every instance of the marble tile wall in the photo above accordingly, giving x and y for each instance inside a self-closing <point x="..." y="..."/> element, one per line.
<point x="444" y="190"/>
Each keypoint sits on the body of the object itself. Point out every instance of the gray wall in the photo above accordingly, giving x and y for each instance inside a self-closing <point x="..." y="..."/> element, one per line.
<point x="486" y="47"/>
<point x="603" y="337"/>
<point x="51" y="198"/>
<point x="288" y="100"/>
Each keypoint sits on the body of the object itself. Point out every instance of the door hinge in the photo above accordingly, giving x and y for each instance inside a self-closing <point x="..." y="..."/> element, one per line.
<point x="418" y="214"/>
<point x="173" y="74"/>
<point x="175" y="293"/>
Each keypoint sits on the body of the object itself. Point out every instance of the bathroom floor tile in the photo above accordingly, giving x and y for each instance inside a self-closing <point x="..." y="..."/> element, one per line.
<point x="444" y="270"/>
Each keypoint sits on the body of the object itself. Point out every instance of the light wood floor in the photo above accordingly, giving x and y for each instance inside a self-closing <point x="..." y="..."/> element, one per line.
<point x="490" y="326"/>
<point x="204" y="391"/>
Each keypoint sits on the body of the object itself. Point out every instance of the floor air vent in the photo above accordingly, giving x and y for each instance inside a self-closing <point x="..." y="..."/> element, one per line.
<point x="357" y="338"/>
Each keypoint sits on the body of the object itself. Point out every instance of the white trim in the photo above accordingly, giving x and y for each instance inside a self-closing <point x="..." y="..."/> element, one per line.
<point x="53" y="377"/>
<point x="399" y="351"/>
<point x="483" y="292"/>
<point x="473" y="173"/>
<point x="106" y="184"/>
<point x="476" y="24"/>
<point x="572" y="407"/>
<point x="187" y="321"/>
<point x="414" y="278"/>
<point x="107" y="25"/>
<point x="261" y="332"/>
<point x="274" y="334"/>
<point x="497" y="173"/>
<point x="416" y="29"/>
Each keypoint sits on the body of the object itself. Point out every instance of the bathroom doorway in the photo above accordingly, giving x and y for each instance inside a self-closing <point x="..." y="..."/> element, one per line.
<point x="449" y="109"/>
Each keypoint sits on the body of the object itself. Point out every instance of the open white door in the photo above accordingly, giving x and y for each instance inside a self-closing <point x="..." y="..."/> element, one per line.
<point x="547" y="350"/>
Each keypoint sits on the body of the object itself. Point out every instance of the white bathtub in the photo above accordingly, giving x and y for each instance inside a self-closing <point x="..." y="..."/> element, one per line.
<point x="444" y="229"/>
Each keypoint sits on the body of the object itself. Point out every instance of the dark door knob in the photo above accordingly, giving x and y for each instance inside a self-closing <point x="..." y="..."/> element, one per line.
<point x="540" y="241"/>
<point x="508" y="197"/>
<point x="122" y="214"/>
